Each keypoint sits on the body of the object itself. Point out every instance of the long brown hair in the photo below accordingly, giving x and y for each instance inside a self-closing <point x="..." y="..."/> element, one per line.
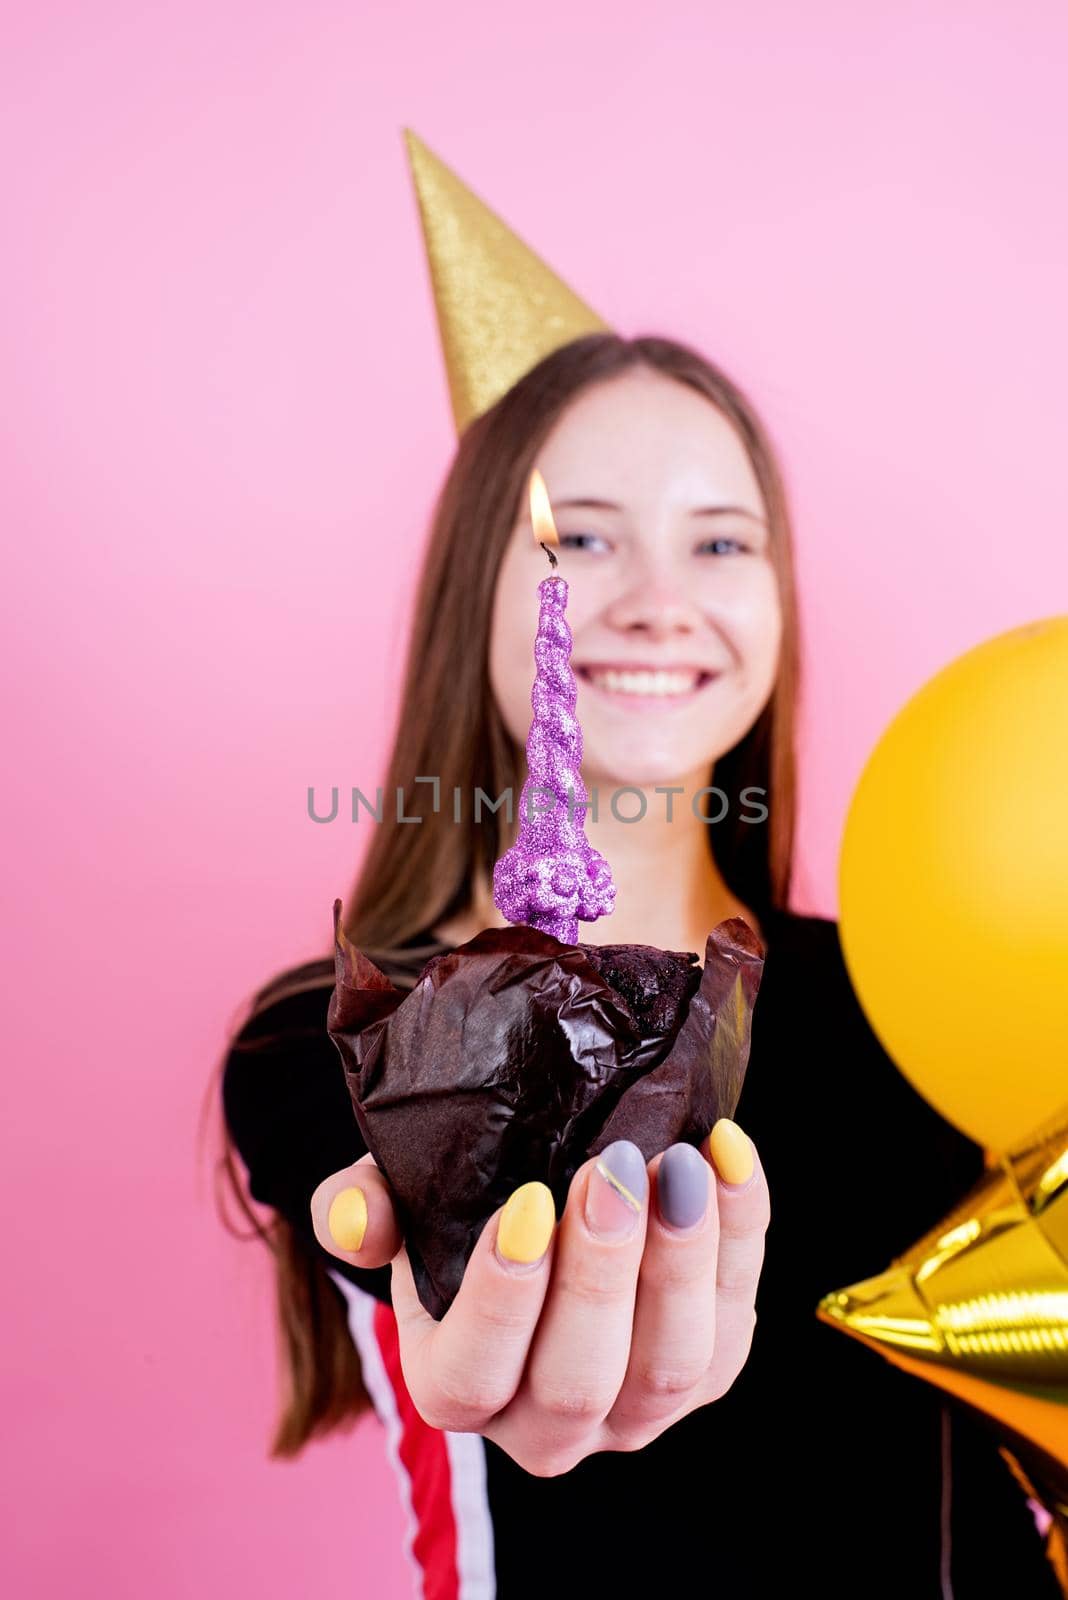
<point x="449" y="725"/>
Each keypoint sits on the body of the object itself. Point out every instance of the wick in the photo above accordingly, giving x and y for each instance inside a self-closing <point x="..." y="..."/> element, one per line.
<point x="548" y="552"/>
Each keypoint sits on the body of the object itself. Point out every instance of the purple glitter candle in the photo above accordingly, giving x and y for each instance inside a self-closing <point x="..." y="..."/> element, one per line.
<point x="552" y="875"/>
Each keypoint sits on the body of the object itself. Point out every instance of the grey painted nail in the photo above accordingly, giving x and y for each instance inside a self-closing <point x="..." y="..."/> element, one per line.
<point x="682" y="1186"/>
<point x="626" y="1164"/>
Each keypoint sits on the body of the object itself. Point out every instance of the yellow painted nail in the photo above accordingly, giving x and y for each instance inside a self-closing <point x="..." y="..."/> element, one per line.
<point x="347" y="1218"/>
<point x="731" y="1151"/>
<point x="527" y="1223"/>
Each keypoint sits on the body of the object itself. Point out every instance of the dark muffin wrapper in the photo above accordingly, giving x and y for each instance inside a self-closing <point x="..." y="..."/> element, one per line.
<point x="516" y="1057"/>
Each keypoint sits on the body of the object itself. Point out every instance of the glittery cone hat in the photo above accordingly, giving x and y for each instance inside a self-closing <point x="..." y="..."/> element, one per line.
<point x="500" y="309"/>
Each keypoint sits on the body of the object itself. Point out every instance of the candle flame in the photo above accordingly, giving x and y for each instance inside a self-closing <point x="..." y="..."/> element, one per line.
<point x="541" y="513"/>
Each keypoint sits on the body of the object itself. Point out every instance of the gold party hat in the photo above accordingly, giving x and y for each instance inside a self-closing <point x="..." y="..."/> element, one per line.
<point x="500" y="308"/>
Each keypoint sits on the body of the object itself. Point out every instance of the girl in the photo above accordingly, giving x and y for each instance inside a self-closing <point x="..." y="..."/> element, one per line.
<point x="639" y="1393"/>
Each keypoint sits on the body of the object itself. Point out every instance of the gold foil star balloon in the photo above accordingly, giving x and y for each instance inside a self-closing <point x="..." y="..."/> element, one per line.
<point x="500" y="309"/>
<point x="979" y="1307"/>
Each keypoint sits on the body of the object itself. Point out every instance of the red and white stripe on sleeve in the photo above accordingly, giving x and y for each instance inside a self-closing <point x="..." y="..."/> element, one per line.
<point x="441" y="1475"/>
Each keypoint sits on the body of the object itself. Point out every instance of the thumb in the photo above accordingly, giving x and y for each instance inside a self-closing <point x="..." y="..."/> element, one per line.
<point x="357" y="1203"/>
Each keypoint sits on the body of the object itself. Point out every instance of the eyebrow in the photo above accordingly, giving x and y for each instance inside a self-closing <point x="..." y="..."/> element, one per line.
<point x="698" y="511"/>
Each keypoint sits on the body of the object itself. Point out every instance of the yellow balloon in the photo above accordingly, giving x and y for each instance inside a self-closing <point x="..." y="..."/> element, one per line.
<point x="953" y="885"/>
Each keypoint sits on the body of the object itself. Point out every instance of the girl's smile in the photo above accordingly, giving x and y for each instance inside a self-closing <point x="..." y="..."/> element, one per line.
<point x="645" y="685"/>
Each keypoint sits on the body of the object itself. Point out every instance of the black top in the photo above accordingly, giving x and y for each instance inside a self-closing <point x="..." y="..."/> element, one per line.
<point x="823" y="1461"/>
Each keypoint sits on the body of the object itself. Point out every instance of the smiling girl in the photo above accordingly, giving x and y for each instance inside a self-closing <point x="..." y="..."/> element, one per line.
<point x="637" y="1393"/>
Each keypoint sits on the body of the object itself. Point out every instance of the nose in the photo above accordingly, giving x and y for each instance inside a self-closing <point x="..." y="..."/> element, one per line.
<point x="656" y="609"/>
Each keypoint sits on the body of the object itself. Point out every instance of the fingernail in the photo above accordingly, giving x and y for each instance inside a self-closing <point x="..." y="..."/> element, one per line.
<point x="347" y="1218"/>
<point x="731" y="1151"/>
<point x="616" y="1190"/>
<point x="682" y="1186"/>
<point x="526" y="1223"/>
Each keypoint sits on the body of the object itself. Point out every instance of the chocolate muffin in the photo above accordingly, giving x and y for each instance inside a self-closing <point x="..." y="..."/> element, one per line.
<point x="517" y="1057"/>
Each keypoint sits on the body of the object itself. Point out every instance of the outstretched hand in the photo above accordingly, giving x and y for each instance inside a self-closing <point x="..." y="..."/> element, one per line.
<point x="593" y="1334"/>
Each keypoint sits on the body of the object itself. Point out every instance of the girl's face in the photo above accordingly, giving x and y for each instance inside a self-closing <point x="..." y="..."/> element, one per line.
<point x="673" y="602"/>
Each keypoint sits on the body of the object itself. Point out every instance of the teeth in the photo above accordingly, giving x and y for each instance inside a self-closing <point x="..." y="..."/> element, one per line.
<point x="659" y="682"/>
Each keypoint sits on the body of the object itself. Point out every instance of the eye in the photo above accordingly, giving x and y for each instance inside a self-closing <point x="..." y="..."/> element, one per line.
<point x="570" y="541"/>
<point x="737" y="544"/>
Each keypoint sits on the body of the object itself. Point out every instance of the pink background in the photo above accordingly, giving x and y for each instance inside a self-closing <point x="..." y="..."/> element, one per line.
<point x="225" y="418"/>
